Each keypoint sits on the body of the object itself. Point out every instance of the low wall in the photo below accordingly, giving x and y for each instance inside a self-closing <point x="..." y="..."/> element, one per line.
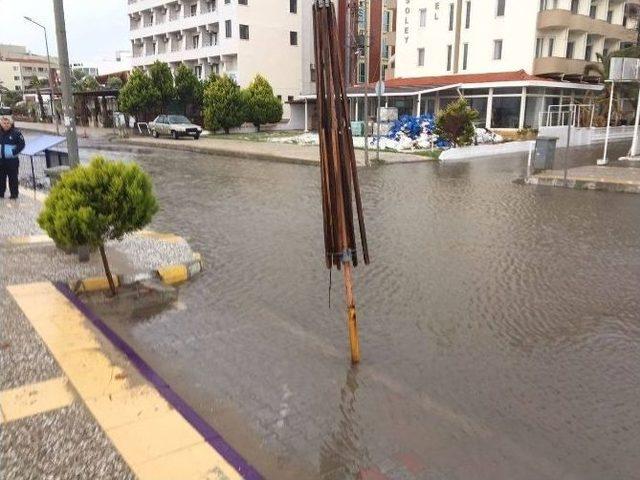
<point x="587" y="136"/>
<point x="491" y="150"/>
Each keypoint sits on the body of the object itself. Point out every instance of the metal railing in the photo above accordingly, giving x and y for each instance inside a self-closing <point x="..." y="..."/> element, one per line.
<point x="576" y="115"/>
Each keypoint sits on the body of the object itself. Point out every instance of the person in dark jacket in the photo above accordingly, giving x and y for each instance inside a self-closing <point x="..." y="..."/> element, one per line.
<point x="11" y="144"/>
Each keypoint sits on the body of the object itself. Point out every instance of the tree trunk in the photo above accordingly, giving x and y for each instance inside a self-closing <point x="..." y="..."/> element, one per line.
<point x="107" y="270"/>
<point x="226" y="130"/>
<point x="41" y="103"/>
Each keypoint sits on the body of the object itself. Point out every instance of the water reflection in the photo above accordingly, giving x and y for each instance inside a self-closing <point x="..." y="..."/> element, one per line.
<point x="343" y="453"/>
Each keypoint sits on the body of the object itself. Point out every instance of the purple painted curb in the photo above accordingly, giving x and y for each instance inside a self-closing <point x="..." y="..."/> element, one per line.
<point x="211" y="436"/>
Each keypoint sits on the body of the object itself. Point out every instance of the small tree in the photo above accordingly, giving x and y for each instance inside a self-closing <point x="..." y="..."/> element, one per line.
<point x="162" y="80"/>
<point x="262" y="106"/>
<point x="114" y="83"/>
<point x="96" y="203"/>
<point x="455" y="123"/>
<point x="138" y="95"/>
<point x="223" y="105"/>
<point x="188" y="89"/>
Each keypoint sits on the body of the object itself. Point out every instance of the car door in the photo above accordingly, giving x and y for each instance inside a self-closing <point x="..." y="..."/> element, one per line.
<point x="162" y="125"/>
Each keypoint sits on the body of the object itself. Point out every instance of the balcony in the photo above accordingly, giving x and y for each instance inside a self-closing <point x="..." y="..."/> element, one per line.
<point x="558" y="66"/>
<point x="563" y="19"/>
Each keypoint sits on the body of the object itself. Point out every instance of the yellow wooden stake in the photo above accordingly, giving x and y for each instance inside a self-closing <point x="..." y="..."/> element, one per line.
<point x="352" y="321"/>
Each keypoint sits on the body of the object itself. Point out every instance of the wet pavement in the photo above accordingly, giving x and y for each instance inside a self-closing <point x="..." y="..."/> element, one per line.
<point x="499" y="322"/>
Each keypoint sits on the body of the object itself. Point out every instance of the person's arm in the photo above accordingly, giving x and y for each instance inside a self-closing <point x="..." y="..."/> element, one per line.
<point x="19" y="143"/>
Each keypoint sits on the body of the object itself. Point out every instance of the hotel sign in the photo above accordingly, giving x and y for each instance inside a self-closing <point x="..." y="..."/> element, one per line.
<point x="407" y="15"/>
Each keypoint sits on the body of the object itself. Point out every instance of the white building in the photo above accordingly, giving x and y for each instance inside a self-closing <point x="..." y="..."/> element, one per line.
<point x="555" y="38"/>
<point x="18" y="67"/>
<point x="239" y="38"/>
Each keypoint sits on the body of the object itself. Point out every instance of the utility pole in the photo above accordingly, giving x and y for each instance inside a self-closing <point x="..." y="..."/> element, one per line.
<point x="366" y="82"/>
<point x="347" y="44"/>
<point x="68" y="113"/>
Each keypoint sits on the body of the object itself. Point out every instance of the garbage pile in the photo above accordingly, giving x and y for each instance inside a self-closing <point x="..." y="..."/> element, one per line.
<point x="416" y="133"/>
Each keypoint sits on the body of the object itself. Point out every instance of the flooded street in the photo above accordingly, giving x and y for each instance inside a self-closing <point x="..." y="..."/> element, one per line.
<point x="500" y="324"/>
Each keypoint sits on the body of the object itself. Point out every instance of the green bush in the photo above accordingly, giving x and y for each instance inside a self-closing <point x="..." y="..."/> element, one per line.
<point x="455" y="123"/>
<point x="262" y="106"/>
<point x="224" y="105"/>
<point x="96" y="203"/>
<point x="138" y="96"/>
<point x="188" y="90"/>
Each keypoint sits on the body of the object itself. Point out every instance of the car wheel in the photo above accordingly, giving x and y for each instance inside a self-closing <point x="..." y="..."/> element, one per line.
<point x="175" y="135"/>
<point x="196" y="136"/>
<point x="155" y="134"/>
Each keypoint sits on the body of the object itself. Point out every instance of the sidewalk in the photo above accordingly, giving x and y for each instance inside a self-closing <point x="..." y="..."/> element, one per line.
<point x="607" y="178"/>
<point x="228" y="147"/>
<point x="72" y="405"/>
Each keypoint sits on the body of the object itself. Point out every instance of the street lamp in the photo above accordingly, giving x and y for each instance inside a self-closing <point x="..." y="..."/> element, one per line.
<point x="51" y="82"/>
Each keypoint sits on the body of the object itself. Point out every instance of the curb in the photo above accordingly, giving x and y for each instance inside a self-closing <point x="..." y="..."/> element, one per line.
<point x="227" y="152"/>
<point x="585" y="184"/>
<point x="169" y="275"/>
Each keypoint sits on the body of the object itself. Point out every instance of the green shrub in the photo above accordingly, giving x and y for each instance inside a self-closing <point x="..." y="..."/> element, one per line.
<point x="224" y="105"/>
<point x="99" y="202"/>
<point x="138" y="96"/>
<point x="188" y="90"/>
<point x="455" y="123"/>
<point x="262" y="106"/>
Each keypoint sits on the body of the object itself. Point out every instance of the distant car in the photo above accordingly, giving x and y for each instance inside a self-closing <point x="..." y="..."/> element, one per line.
<point x="175" y="125"/>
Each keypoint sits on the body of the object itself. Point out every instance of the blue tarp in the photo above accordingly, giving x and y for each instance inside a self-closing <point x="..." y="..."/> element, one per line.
<point x="41" y="143"/>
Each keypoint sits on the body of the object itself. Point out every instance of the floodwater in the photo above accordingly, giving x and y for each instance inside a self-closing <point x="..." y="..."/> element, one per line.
<point x="500" y="323"/>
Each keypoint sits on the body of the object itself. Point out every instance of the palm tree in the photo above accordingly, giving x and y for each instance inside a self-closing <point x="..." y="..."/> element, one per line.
<point x="601" y="70"/>
<point x="36" y="84"/>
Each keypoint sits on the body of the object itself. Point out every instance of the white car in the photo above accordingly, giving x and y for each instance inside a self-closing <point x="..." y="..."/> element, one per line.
<point x="175" y="125"/>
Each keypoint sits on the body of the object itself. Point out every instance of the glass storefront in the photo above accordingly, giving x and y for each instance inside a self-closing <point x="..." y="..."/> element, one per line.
<point x="505" y="112"/>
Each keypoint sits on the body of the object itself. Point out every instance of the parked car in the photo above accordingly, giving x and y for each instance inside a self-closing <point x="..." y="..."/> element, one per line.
<point x="175" y="125"/>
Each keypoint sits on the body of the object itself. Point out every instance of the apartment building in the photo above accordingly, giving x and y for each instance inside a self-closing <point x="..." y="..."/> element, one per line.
<point x="380" y="26"/>
<point x="552" y="38"/>
<point x="18" y="67"/>
<point x="239" y="38"/>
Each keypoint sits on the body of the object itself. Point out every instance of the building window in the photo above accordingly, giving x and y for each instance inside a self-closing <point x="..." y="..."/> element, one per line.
<point x="16" y="78"/>
<point x="227" y="1"/>
<point x="500" y="8"/>
<point x="198" y="71"/>
<point x="451" y="16"/>
<point x="244" y="32"/>
<point x="423" y="17"/>
<point x="195" y="41"/>
<point x="421" y="57"/>
<point x="227" y="28"/>
<point x="605" y="52"/>
<point x="574" y="6"/>
<point x="505" y="112"/>
<point x="550" y="47"/>
<point x="15" y="68"/>
<point x="312" y="72"/>
<point x="449" y="56"/>
<point x="361" y="73"/>
<point x="497" y="49"/>
<point x="293" y="6"/>
<point x="290" y="98"/>
<point x="570" y="46"/>
<point x="539" y="44"/>
<point x="587" y="53"/>
<point x="193" y="9"/>
<point x="293" y="38"/>
<point x="593" y="10"/>
<point x="610" y="16"/>
<point x="387" y="21"/>
<point x="467" y="20"/>
<point x="242" y="2"/>
<point x="465" y="55"/>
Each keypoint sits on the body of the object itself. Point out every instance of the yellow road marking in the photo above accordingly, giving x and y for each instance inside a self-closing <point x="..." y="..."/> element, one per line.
<point x="152" y="437"/>
<point x="35" y="398"/>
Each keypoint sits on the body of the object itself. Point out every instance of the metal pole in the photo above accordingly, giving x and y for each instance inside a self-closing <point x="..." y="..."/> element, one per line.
<point x="65" y="77"/>
<point x="566" y="152"/>
<point x="366" y="82"/>
<point x="605" y="160"/>
<point x="51" y="82"/>
<point x="634" y="145"/>
<point x="380" y="79"/>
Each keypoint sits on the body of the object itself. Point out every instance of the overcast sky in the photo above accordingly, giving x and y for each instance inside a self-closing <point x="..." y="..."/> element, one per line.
<point x="95" y="28"/>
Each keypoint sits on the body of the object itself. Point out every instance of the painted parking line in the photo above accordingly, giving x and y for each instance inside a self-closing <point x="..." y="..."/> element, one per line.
<point x="28" y="400"/>
<point x="153" y="437"/>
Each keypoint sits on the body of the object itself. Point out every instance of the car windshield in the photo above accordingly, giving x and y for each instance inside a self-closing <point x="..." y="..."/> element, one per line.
<point x="178" y="119"/>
